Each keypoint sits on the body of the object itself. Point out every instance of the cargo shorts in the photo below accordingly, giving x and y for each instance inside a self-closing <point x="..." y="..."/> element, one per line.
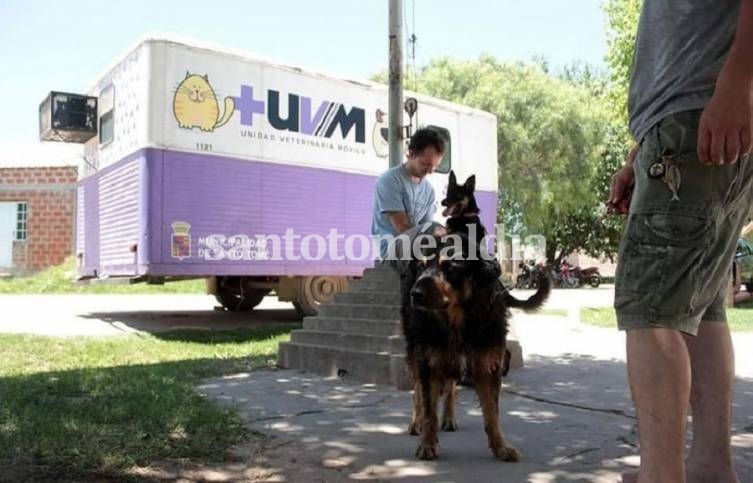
<point x="675" y="257"/>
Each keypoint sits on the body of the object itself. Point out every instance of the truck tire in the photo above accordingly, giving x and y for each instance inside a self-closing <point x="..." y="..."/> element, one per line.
<point x="316" y="290"/>
<point x="234" y="297"/>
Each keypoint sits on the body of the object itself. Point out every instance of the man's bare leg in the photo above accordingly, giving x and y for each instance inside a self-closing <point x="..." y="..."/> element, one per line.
<point x="713" y="373"/>
<point x="659" y="373"/>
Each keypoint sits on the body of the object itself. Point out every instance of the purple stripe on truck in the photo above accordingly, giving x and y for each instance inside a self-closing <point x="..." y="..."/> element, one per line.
<point x="230" y="196"/>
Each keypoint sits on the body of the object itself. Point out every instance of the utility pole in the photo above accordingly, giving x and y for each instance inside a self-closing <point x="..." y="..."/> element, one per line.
<point x="396" y="83"/>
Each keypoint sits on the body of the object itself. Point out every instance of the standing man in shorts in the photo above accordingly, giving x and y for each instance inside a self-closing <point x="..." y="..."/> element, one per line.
<point x="690" y="112"/>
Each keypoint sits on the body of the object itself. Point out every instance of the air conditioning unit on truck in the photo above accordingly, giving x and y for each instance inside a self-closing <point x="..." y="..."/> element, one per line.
<point x="202" y="157"/>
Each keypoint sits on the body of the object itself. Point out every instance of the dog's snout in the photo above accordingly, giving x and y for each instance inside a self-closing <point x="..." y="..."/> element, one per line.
<point x="425" y="293"/>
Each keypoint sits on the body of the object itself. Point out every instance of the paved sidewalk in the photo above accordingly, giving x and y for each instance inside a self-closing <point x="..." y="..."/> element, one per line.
<point x="568" y="411"/>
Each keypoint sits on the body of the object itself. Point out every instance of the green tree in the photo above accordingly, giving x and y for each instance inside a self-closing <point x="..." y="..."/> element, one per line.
<point x="551" y="133"/>
<point x="622" y="25"/>
<point x="589" y="228"/>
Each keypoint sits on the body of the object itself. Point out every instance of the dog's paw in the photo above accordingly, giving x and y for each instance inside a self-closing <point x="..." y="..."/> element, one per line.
<point x="426" y="451"/>
<point x="414" y="429"/>
<point x="449" y="425"/>
<point x="507" y="453"/>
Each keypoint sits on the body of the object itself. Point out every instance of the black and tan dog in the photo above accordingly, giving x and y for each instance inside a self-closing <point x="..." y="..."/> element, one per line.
<point x="453" y="326"/>
<point x="463" y="217"/>
<point x="461" y="209"/>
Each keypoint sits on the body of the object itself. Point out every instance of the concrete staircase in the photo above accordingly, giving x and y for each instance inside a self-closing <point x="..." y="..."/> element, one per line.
<point x="358" y="335"/>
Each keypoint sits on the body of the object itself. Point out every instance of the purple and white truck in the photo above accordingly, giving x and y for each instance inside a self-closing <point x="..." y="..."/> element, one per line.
<point x="200" y="150"/>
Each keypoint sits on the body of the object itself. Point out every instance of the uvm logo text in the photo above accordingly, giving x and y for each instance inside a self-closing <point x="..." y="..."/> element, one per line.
<point x="302" y="116"/>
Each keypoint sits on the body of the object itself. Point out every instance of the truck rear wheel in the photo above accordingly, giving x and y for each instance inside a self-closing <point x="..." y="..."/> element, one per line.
<point x="235" y="296"/>
<point x="316" y="290"/>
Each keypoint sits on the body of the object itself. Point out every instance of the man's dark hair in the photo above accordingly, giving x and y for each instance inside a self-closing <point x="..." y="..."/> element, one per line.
<point x="425" y="137"/>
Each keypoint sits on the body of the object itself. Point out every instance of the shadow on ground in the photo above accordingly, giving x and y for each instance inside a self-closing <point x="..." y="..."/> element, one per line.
<point x="166" y="324"/>
<point x="571" y="416"/>
<point x="99" y="421"/>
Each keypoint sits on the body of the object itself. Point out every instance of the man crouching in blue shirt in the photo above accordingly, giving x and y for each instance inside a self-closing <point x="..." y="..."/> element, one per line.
<point x="404" y="199"/>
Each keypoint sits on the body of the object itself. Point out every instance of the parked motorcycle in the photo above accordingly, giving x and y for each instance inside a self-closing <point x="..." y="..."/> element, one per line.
<point x="562" y="276"/>
<point x="527" y="275"/>
<point x="591" y="276"/>
<point x="568" y="276"/>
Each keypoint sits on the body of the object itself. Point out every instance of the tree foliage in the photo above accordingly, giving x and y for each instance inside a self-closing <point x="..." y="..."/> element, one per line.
<point x="549" y="132"/>
<point x="561" y="137"/>
<point x="622" y="25"/>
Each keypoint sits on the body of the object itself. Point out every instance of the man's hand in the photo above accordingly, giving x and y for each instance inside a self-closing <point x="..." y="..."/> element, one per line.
<point x="439" y="231"/>
<point x="724" y="132"/>
<point x="400" y="221"/>
<point x="622" y="186"/>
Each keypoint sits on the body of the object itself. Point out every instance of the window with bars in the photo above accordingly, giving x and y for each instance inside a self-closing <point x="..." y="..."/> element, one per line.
<point x="446" y="164"/>
<point x="22" y="215"/>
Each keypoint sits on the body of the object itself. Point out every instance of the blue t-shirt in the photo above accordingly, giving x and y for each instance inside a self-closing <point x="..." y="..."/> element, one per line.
<point x="394" y="191"/>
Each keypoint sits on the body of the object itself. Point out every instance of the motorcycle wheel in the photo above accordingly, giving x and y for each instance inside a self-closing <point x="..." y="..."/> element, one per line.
<point x="594" y="281"/>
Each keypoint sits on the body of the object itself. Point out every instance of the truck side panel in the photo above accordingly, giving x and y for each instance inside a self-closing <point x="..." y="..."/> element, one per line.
<point x="227" y="196"/>
<point x="254" y="149"/>
<point x="119" y="218"/>
<point x="152" y="196"/>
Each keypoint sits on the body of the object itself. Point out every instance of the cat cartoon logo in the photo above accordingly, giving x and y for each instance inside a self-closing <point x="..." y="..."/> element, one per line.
<point x="380" y="135"/>
<point x="196" y="105"/>
<point x="180" y="242"/>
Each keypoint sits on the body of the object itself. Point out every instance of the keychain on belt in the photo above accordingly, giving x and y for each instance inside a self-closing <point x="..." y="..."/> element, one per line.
<point x="668" y="170"/>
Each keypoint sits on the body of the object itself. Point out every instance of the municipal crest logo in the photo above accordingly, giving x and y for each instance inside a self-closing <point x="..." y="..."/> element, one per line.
<point x="180" y="243"/>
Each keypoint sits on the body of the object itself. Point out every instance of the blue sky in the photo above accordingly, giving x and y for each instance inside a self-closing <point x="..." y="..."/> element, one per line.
<point x="65" y="45"/>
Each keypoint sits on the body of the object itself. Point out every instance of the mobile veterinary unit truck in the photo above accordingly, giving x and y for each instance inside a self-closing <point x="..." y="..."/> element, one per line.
<point x="190" y="148"/>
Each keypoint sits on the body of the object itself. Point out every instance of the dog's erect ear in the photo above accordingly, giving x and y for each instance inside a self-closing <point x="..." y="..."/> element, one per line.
<point x="470" y="183"/>
<point x="453" y="179"/>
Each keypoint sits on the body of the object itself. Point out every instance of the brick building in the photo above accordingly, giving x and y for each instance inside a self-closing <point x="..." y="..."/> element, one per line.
<point x="37" y="214"/>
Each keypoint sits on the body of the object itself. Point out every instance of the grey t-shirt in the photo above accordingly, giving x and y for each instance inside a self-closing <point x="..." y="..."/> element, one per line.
<point x="680" y="48"/>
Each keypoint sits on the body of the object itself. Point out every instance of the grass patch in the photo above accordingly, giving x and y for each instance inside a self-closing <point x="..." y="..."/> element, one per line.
<point x="98" y="406"/>
<point x="600" y="317"/>
<point x="59" y="280"/>
<point x="740" y="318"/>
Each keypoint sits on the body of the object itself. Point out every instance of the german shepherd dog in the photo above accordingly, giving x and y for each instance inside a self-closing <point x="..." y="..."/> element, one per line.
<point x="462" y="214"/>
<point x="454" y="315"/>
<point x="461" y="208"/>
<point x="454" y="326"/>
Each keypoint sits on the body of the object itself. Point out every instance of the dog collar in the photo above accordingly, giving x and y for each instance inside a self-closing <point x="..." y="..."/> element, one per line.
<point x="470" y="215"/>
<point x="466" y="215"/>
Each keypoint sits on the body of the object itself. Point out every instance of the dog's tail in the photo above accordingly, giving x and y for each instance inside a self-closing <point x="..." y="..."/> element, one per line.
<point x="533" y="302"/>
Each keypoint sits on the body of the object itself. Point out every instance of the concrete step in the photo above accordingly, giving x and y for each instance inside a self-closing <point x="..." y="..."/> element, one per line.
<point x="358" y="326"/>
<point x="392" y="344"/>
<point x="365" y="367"/>
<point x="360" y="311"/>
<point x="370" y="297"/>
<point x="381" y="273"/>
<point x="368" y="285"/>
